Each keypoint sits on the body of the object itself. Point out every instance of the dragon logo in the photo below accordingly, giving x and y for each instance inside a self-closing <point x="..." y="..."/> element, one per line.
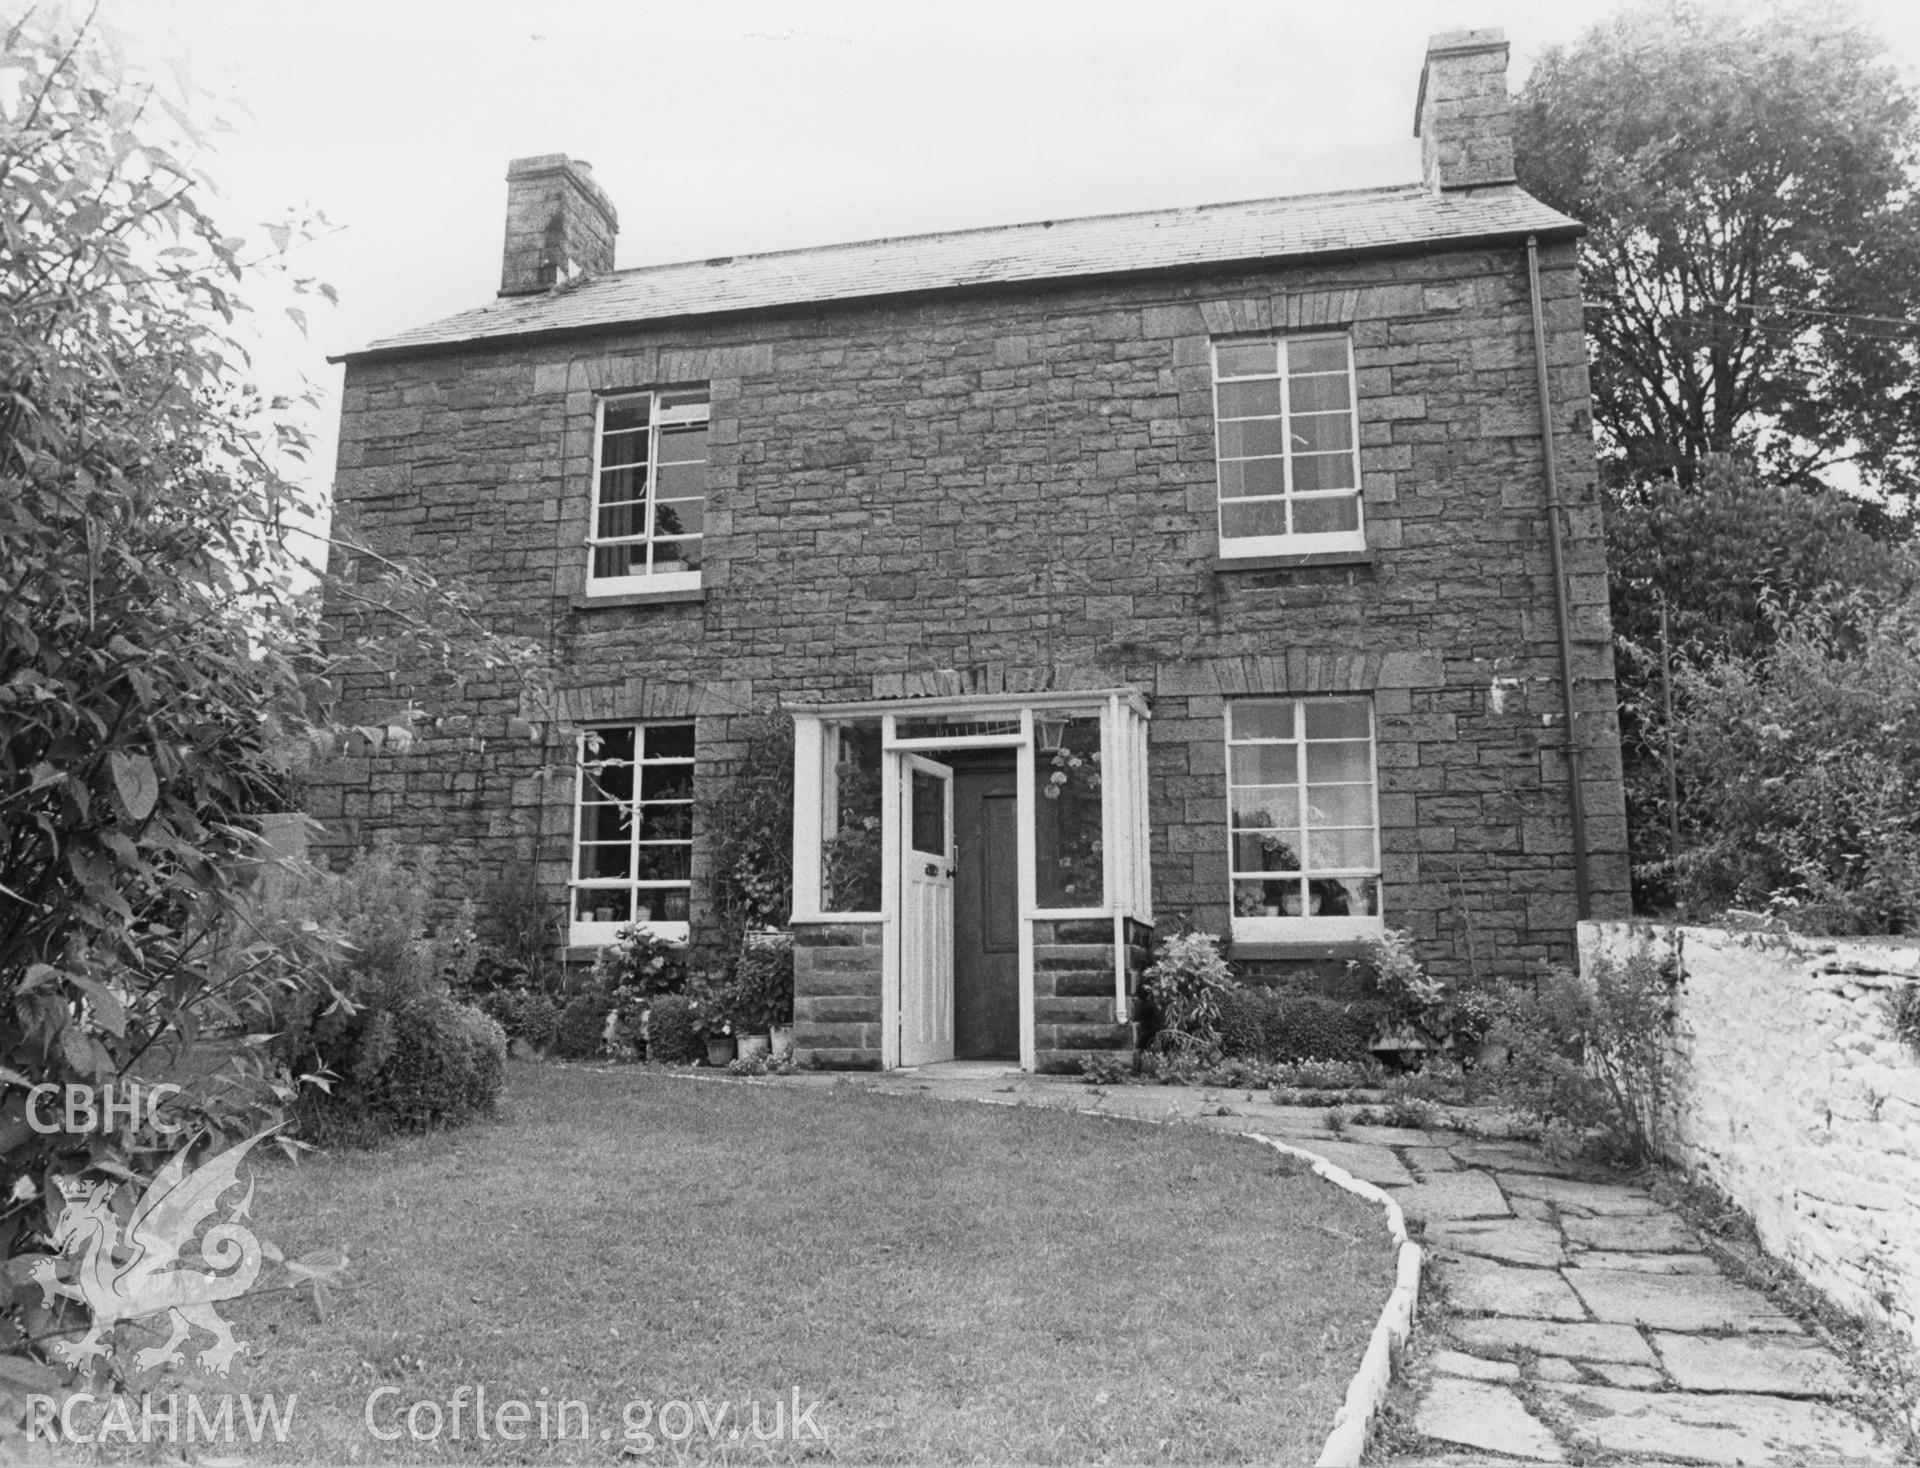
<point x="142" y="1272"/>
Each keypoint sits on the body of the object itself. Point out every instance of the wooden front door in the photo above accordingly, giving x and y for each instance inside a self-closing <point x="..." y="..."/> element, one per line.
<point x="986" y="918"/>
<point x="926" y="912"/>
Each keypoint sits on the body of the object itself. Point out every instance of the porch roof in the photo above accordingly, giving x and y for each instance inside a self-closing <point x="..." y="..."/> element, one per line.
<point x="972" y="703"/>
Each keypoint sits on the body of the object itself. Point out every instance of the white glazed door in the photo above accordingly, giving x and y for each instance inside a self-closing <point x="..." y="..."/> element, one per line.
<point x="926" y="911"/>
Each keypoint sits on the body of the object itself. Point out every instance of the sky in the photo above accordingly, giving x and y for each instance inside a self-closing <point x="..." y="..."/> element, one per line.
<point x="738" y="126"/>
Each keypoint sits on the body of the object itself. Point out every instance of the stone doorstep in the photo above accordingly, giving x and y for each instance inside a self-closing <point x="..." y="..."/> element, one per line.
<point x="1476" y="1414"/>
<point x="1734" y="1428"/>
<point x="1781" y="1366"/>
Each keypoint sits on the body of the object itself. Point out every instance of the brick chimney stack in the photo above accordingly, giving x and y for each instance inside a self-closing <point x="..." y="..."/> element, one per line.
<point x="1463" y="118"/>
<point x="560" y="224"/>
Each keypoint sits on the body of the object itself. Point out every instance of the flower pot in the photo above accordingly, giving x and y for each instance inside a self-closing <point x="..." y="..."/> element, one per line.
<point x="720" y="1050"/>
<point x="782" y="1039"/>
<point x="753" y="1047"/>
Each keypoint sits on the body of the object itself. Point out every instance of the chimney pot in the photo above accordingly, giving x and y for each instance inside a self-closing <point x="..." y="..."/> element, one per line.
<point x="560" y="224"/>
<point x="1462" y="117"/>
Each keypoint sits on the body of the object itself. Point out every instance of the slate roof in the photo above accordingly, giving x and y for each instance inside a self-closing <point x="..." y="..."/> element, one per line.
<point x="1353" y="222"/>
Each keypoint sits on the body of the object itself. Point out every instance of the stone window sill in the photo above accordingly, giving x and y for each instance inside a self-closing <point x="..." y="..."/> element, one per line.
<point x="1344" y="949"/>
<point x="1297" y="562"/>
<point x="638" y="599"/>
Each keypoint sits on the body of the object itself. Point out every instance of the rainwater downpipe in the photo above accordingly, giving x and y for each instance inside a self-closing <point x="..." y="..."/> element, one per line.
<point x="1576" y="796"/>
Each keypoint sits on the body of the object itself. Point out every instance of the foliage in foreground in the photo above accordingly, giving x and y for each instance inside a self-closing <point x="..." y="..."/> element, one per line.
<point x="158" y="675"/>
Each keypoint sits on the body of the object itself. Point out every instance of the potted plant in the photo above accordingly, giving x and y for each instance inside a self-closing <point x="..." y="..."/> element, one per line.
<point x="713" y="1020"/>
<point x="760" y="995"/>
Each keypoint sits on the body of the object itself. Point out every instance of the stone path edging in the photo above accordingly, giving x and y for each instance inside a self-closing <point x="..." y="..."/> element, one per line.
<point x="1368" y="1389"/>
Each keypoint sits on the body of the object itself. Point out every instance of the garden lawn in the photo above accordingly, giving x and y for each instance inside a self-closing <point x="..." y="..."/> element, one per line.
<point x="949" y="1282"/>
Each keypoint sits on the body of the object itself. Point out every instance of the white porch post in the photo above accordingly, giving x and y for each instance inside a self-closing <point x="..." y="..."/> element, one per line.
<point x="1024" y="818"/>
<point x="807" y="760"/>
<point x="889" y="897"/>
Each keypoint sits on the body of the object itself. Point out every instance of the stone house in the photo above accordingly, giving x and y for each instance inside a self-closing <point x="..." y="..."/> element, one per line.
<point x="1206" y="563"/>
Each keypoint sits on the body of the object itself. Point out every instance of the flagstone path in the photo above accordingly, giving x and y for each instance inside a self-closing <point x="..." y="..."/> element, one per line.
<point x="1585" y="1321"/>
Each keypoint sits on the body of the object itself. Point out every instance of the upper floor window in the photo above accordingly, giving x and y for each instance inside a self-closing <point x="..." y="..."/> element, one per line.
<point x="649" y="491"/>
<point x="633" y="831"/>
<point x="1305" y="826"/>
<point x="1289" y="446"/>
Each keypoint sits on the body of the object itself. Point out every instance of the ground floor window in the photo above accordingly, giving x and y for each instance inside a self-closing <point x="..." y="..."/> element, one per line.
<point x="1304" y="818"/>
<point x="633" y="830"/>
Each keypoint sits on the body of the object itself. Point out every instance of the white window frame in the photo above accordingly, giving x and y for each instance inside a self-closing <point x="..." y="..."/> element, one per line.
<point x="591" y="933"/>
<point x="1289" y="544"/>
<point x="679" y="416"/>
<point x="1306" y="927"/>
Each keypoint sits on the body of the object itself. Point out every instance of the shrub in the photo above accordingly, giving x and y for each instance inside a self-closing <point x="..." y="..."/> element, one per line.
<point x="751" y="819"/>
<point x="1106" y="1068"/>
<point x="582" y="1030"/>
<point x="1309" y="1027"/>
<point x="1278" y="1027"/>
<point x="539" y="1020"/>
<point x="524" y="1015"/>
<point x="1444" y="1016"/>
<point x="1902" y="1007"/>
<point x="1184" y="984"/>
<point x="673" y="1035"/>
<point x="1242" y="1020"/>
<point x="760" y="994"/>
<point x="1588" y="1055"/>
<point x="638" y="960"/>
<point x="447" y="1063"/>
<point x="1799" y="771"/>
<point x="520" y="924"/>
<point x="381" y="1042"/>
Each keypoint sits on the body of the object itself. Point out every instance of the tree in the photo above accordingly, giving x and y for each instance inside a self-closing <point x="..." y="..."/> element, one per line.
<point x="1753" y="257"/>
<point x="1801" y="770"/>
<point x="1697" y="575"/>
<point x="156" y="665"/>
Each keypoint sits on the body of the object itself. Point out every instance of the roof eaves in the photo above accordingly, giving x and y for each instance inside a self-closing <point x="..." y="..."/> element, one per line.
<point x="1570" y="229"/>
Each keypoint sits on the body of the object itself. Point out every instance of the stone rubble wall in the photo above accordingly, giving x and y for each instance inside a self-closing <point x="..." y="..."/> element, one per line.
<point x="1792" y="1096"/>
<point x="1015" y="490"/>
